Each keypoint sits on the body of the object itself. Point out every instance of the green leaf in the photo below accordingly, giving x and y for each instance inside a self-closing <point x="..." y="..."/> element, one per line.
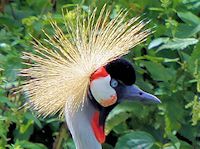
<point x="192" y="4"/>
<point x="189" y="17"/>
<point x="6" y="100"/>
<point x="189" y="30"/>
<point x="183" y="145"/>
<point x="195" y="105"/>
<point x="29" y="145"/>
<point x="25" y="130"/>
<point x="193" y="61"/>
<point x="175" y="141"/>
<point x="173" y="120"/>
<point x="178" y="43"/>
<point x="107" y="146"/>
<point x="122" y="112"/>
<point x="116" y="117"/>
<point x="30" y="117"/>
<point x="7" y="21"/>
<point x="135" y="140"/>
<point x="69" y="144"/>
<point x="195" y="53"/>
<point x="158" y="71"/>
<point x="157" y="42"/>
<point x="156" y="59"/>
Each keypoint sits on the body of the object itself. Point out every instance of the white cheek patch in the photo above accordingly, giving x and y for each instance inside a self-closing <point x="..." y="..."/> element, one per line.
<point x="101" y="90"/>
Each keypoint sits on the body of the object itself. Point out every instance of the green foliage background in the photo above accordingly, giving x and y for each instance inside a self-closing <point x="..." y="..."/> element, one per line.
<point x="167" y="65"/>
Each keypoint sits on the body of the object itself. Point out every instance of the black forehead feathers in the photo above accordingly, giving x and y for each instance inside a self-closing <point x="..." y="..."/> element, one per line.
<point x="122" y="70"/>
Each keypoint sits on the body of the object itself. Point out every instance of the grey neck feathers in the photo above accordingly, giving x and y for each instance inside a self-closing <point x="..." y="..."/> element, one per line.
<point x="80" y="127"/>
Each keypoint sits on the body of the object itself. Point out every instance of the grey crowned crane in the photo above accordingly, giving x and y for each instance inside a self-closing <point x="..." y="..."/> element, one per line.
<point x="81" y="74"/>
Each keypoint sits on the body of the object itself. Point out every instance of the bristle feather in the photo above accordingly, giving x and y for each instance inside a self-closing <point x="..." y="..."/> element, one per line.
<point x="60" y="69"/>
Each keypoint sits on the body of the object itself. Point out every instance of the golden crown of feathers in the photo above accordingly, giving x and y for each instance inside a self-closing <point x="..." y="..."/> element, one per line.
<point x="59" y="71"/>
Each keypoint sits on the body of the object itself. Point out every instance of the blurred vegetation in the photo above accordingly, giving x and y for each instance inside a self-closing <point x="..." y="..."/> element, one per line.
<point x="167" y="65"/>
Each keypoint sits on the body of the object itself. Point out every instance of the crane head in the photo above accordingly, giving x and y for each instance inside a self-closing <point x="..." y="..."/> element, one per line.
<point x="111" y="85"/>
<point x="114" y="83"/>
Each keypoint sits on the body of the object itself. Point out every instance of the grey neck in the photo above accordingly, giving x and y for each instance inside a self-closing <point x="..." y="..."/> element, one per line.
<point x="80" y="127"/>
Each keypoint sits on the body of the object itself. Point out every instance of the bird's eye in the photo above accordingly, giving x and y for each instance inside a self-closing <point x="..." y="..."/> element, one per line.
<point x="114" y="83"/>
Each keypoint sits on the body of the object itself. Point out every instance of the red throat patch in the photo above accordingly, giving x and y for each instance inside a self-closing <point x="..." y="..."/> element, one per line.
<point x="101" y="72"/>
<point x="97" y="129"/>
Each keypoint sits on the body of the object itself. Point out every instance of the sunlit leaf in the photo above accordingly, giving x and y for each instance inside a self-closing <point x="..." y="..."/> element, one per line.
<point x="178" y="43"/>
<point x="157" y="42"/>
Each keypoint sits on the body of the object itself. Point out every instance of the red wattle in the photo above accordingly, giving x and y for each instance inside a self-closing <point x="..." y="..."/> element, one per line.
<point x="101" y="72"/>
<point x="97" y="129"/>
